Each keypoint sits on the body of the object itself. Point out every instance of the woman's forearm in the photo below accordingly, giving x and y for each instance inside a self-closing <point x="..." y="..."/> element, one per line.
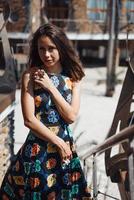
<point x="41" y="131"/>
<point x="64" y="108"/>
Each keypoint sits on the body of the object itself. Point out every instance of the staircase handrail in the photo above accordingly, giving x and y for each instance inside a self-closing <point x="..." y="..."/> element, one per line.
<point x="125" y="134"/>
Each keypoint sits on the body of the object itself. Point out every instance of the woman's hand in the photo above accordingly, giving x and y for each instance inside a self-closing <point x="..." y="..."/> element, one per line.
<point x="64" y="151"/>
<point x="42" y="79"/>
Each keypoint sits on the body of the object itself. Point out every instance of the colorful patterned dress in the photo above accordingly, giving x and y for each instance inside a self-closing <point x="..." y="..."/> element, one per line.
<point x="37" y="173"/>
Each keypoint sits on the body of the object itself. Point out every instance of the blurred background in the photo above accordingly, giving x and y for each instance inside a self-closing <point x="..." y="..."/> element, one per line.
<point x="102" y="33"/>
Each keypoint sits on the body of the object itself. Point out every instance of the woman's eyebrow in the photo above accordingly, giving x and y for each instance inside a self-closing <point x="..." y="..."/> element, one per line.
<point x="51" y="45"/>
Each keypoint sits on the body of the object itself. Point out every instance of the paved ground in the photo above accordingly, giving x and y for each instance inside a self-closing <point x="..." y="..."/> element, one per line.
<point x="95" y="116"/>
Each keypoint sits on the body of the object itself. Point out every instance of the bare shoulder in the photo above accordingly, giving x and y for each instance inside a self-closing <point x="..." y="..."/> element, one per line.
<point x="28" y="73"/>
<point x="27" y="78"/>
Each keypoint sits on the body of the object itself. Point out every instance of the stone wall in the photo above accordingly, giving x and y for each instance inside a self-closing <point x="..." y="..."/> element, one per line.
<point x="6" y="143"/>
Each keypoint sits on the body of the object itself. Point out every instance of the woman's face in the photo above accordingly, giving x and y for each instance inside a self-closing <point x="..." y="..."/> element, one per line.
<point x="48" y="53"/>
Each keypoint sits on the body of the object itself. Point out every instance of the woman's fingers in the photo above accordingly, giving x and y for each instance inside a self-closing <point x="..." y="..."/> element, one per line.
<point x="39" y="74"/>
<point x="66" y="154"/>
<point x="67" y="161"/>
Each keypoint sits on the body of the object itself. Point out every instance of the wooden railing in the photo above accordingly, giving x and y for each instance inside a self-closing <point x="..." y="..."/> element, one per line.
<point x="126" y="135"/>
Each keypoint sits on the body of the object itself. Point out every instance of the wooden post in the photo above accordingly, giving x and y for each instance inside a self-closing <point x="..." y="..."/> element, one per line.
<point x="131" y="169"/>
<point x="95" y="188"/>
<point x="123" y="11"/>
<point x="8" y="80"/>
<point x="116" y="54"/>
<point x="35" y="15"/>
<point x="110" y="84"/>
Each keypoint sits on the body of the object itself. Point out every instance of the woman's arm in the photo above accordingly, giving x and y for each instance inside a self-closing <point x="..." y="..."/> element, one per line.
<point x="28" y="109"/>
<point x="67" y="111"/>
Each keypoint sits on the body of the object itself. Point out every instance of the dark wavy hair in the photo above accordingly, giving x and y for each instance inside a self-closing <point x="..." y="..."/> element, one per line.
<point x="69" y="59"/>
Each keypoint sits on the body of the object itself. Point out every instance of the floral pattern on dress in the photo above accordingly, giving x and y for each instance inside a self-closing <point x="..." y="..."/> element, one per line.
<point x="53" y="117"/>
<point x="37" y="101"/>
<point x="37" y="171"/>
<point x="51" y="163"/>
<point x="55" y="80"/>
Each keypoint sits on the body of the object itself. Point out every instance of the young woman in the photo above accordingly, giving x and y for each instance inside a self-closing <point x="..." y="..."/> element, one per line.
<point x="47" y="166"/>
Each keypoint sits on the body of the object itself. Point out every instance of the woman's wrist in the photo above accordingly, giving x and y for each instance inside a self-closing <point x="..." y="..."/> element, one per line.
<point x="51" y="89"/>
<point x="59" y="142"/>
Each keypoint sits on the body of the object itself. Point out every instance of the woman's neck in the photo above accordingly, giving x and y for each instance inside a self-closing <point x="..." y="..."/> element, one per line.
<point x="55" y="70"/>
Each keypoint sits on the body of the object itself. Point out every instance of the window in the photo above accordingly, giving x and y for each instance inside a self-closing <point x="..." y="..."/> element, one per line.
<point x="57" y="11"/>
<point x="130" y="11"/>
<point x="57" y="2"/>
<point x="97" y="10"/>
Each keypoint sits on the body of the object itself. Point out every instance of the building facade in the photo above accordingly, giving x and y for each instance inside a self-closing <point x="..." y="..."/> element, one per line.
<point x="73" y="15"/>
<point x="82" y="20"/>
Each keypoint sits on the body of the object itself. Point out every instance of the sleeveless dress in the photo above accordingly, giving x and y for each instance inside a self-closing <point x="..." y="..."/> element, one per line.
<point x="37" y="172"/>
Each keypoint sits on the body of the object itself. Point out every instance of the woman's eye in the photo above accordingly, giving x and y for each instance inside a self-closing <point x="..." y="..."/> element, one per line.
<point x="42" y="49"/>
<point x="51" y="48"/>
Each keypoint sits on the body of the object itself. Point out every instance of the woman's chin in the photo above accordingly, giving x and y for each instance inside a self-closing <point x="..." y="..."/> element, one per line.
<point x="49" y="64"/>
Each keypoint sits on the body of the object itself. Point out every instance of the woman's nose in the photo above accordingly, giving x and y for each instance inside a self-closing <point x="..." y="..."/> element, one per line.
<point x="47" y="54"/>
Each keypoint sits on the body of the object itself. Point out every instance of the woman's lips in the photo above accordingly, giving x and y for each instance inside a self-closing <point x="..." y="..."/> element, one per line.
<point x="48" y="61"/>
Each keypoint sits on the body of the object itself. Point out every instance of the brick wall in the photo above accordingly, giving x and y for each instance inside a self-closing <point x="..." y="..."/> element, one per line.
<point x="83" y="24"/>
<point x="80" y="13"/>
